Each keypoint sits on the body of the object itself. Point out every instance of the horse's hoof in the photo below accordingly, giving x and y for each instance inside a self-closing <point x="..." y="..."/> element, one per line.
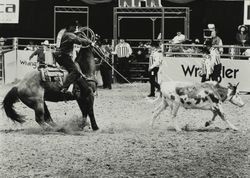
<point x="95" y="129"/>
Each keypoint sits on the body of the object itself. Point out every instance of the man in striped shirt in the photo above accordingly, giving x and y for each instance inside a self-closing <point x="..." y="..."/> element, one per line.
<point x="155" y="60"/>
<point x="213" y="56"/>
<point x="123" y="52"/>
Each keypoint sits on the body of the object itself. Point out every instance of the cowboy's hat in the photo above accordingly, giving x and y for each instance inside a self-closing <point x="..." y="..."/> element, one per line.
<point x="242" y="26"/>
<point x="46" y="42"/>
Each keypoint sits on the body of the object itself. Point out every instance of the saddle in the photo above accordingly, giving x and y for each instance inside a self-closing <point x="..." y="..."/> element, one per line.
<point x="53" y="74"/>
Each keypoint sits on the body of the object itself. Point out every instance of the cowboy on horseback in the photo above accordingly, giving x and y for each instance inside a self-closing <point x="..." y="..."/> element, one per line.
<point x="64" y="57"/>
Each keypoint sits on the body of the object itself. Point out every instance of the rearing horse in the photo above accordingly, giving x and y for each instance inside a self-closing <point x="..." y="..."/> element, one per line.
<point x="33" y="92"/>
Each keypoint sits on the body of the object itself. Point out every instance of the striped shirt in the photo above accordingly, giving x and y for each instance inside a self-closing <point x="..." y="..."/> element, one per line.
<point x="155" y="59"/>
<point x="215" y="56"/>
<point x="123" y="50"/>
<point x="209" y="61"/>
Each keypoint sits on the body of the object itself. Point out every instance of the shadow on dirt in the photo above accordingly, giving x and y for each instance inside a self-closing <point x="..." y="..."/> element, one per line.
<point x="215" y="129"/>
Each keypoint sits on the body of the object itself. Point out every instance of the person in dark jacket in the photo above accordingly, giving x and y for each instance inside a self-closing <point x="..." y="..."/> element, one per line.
<point x="105" y="68"/>
<point x="65" y="53"/>
<point x="242" y="37"/>
<point x="40" y="53"/>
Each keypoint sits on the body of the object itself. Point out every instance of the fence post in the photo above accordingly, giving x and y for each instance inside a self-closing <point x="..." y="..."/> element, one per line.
<point x="15" y="43"/>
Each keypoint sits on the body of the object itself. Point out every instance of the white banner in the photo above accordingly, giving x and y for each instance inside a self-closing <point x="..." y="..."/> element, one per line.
<point x="10" y="66"/>
<point x="186" y="69"/>
<point x="24" y="65"/>
<point x="17" y="64"/>
<point x="9" y="11"/>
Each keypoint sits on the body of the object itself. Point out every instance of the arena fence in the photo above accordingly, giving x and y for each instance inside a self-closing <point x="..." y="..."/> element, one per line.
<point x="177" y="65"/>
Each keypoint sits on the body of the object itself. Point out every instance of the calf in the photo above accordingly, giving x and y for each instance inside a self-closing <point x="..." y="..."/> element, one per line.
<point x="204" y="96"/>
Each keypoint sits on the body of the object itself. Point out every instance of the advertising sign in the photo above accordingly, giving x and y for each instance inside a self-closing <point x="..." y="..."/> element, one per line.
<point x="24" y="65"/>
<point x="10" y="66"/>
<point x="138" y="3"/>
<point x="17" y="64"/>
<point x="9" y="11"/>
<point x="186" y="69"/>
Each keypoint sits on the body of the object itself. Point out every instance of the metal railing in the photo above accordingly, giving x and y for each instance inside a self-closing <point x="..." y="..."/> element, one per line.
<point x="195" y="50"/>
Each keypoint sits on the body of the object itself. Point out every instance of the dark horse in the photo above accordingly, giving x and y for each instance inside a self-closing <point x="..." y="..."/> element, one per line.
<point x="33" y="92"/>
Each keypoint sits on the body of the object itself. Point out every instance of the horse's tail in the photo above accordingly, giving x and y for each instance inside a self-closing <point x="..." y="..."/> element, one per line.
<point x="8" y="105"/>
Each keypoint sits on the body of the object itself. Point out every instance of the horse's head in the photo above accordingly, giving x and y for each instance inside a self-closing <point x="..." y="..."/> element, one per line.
<point x="233" y="95"/>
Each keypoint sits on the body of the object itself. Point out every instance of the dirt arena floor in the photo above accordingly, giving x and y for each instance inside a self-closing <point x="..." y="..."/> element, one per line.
<point x="125" y="145"/>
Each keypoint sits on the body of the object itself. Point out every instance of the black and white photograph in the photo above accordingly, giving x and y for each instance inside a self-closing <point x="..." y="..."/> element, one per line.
<point x="124" y="88"/>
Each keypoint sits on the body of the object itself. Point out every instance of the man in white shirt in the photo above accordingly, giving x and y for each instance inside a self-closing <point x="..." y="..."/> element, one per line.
<point x="179" y="38"/>
<point x="123" y="52"/>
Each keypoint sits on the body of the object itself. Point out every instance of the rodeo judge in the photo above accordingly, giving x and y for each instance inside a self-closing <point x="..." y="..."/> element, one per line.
<point x="155" y="60"/>
<point x="65" y="54"/>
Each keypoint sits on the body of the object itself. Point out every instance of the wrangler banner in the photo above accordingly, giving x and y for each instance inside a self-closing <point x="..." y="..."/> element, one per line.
<point x="9" y="11"/>
<point x="187" y="69"/>
<point x="17" y="64"/>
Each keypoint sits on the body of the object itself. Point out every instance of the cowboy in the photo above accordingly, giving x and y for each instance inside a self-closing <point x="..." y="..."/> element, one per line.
<point x="40" y="52"/>
<point x="64" y="57"/>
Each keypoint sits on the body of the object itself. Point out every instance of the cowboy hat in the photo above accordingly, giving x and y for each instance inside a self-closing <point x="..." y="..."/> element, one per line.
<point x="46" y="42"/>
<point x="242" y="26"/>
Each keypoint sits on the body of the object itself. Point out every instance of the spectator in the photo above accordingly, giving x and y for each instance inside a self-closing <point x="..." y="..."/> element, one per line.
<point x="242" y="37"/>
<point x="141" y="45"/>
<point x="123" y="52"/>
<point x="216" y="40"/>
<point x="211" y="66"/>
<point x="40" y="52"/>
<point x="105" y="68"/>
<point x="179" y="38"/>
<point x="30" y="46"/>
<point x="155" y="60"/>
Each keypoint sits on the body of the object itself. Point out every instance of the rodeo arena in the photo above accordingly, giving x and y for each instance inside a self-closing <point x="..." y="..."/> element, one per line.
<point x="124" y="88"/>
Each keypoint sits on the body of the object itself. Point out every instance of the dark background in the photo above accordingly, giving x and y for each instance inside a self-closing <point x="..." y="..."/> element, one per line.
<point x="36" y="19"/>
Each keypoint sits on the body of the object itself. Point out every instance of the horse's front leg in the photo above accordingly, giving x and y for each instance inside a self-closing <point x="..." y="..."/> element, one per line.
<point x="90" y="111"/>
<point x="82" y="103"/>
<point x="39" y="114"/>
<point x="47" y="116"/>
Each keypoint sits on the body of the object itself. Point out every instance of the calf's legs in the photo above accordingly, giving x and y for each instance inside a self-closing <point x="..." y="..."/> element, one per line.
<point x="217" y="110"/>
<point x="208" y="123"/>
<point x="174" y="111"/>
<point x="158" y="111"/>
